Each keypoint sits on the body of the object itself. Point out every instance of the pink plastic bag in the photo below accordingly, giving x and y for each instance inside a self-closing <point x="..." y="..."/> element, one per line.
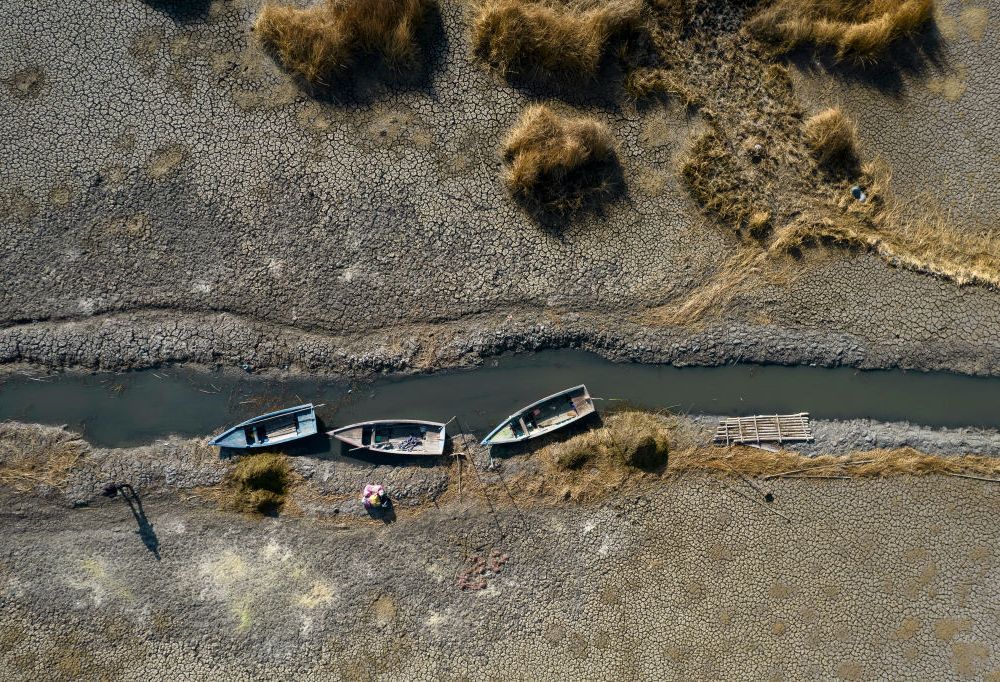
<point x="373" y="495"/>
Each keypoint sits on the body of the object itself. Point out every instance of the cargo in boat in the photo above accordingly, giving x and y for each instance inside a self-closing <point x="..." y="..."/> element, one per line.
<point x="401" y="436"/>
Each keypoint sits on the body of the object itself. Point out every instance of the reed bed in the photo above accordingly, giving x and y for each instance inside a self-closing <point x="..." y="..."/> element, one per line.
<point x="326" y="41"/>
<point x="859" y="30"/>
<point x="544" y="39"/>
<point x="559" y="164"/>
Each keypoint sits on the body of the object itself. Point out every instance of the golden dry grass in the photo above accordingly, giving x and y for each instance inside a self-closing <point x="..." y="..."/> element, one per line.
<point x="872" y="463"/>
<point x="545" y="39"/>
<point x="833" y="138"/>
<point x="860" y="30"/>
<point x="559" y="164"/>
<point x="632" y="438"/>
<point x="722" y="185"/>
<point x="643" y="83"/>
<point x="257" y="483"/>
<point x="591" y="465"/>
<point x="33" y="457"/>
<point x="917" y="237"/>
<point x="322" y="42"/>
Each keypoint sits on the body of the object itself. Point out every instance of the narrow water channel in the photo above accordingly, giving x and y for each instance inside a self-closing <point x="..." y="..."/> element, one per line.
<point x="138" y="407"/>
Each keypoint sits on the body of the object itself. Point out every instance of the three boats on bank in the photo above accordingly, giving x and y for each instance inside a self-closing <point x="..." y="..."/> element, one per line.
<point x="408" y="436"/>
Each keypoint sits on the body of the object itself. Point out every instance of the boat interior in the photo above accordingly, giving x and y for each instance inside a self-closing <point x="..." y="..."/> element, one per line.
<point x="547" y="415"/>
<point x="276" y="429"/>
<point x="400" y="437"/>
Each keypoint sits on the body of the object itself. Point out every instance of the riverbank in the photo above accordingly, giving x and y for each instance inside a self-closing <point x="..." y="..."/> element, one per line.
<point x="142" y="340"/>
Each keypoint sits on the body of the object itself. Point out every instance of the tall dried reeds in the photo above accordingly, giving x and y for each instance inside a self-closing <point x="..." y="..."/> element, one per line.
<point x="559" y="164"/>
<point x="325" y="41"/>
<point x="833" y="138"/>
<point x="860" y="30"/>
<point x="544" y="39"/>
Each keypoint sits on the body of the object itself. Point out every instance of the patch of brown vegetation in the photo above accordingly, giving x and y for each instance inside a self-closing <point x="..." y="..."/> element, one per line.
<point x="26" y="83"/>
<point x="544" y="39"/>
<point x="861" y="30"/>
<point x="37" y="457"/>
<point x="322" y="42"/>
<point x="630" y="438"/>
<point x="644" y="83"/>
<point x="833" y="138"/>
<point x="165" y="159"/>
<point x="628" y="446"/>
<point x="725" y="186"/>
<point x="558" y="164"/>
<point x="603" y="461"/>
<point x="872" y="463"/>
<point x="257" y="483"/>
<point x="918" y="237"/>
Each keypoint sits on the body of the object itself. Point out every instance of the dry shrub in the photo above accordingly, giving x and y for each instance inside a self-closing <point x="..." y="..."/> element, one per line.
<point x="258" y="483"/>
<point x="36" y="457"/>
<point x="833" y="138"/>
<point x="558" y="164"/>
<point x="857" y="29"/>
<point x="545" y="39"/>
<point x="325" y="41"/>
<point x="757" y="463"/>
<point x="630" y="438"/>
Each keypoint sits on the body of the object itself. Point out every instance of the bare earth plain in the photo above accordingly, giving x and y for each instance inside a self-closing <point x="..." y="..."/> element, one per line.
<point x="169" y="194"/>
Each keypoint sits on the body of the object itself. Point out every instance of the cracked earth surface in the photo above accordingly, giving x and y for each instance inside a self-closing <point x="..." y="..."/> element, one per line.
<point x="170" y="195"/>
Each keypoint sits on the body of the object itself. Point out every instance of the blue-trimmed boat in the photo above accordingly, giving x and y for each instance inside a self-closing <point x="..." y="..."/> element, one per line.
<point x="544" y="416"/>
<point x="271" y="429"/>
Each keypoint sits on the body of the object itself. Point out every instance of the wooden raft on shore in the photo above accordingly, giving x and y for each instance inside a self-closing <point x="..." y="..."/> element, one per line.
<point x="769" y="428"/>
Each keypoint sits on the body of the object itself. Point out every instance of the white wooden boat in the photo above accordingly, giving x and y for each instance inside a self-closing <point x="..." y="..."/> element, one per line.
<point x="545" y="416"/>
<point x="268" y="430"/>
<point x="398" y="436"/>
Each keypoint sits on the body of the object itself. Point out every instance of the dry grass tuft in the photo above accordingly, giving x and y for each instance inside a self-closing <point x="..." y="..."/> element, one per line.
<point x="34" y="457"/>
<point x="258" y="483"/>
<point x="545" y="39"/>
<point x="323" y="42"/>
<point x="833" y="138"/>
<point x="645" y="83"/>
<point x="861" y="30"/>
<point x="919" y="238"/>
<point x="629" y="438"/>
<point x="557" y="164"/>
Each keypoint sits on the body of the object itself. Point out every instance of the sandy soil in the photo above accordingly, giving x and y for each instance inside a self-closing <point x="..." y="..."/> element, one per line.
<point x="170" y="195"/>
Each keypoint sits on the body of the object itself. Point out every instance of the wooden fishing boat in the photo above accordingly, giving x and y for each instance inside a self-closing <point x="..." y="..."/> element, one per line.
<point x="271" y="429"/>
<point x="545" y="416"/>
<point x="398" y="436"/>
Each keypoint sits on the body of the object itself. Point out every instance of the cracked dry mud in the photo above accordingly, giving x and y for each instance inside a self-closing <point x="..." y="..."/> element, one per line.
<point x="677" y="577"/>
<point x="871" y="580"/>
<point x="169" y="194"/>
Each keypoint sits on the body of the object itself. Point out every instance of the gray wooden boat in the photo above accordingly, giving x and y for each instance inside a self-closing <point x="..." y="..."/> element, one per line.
<point x="271" y="429"/>
<point x="398" y="436"/>
<point x="544" y="416"/>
